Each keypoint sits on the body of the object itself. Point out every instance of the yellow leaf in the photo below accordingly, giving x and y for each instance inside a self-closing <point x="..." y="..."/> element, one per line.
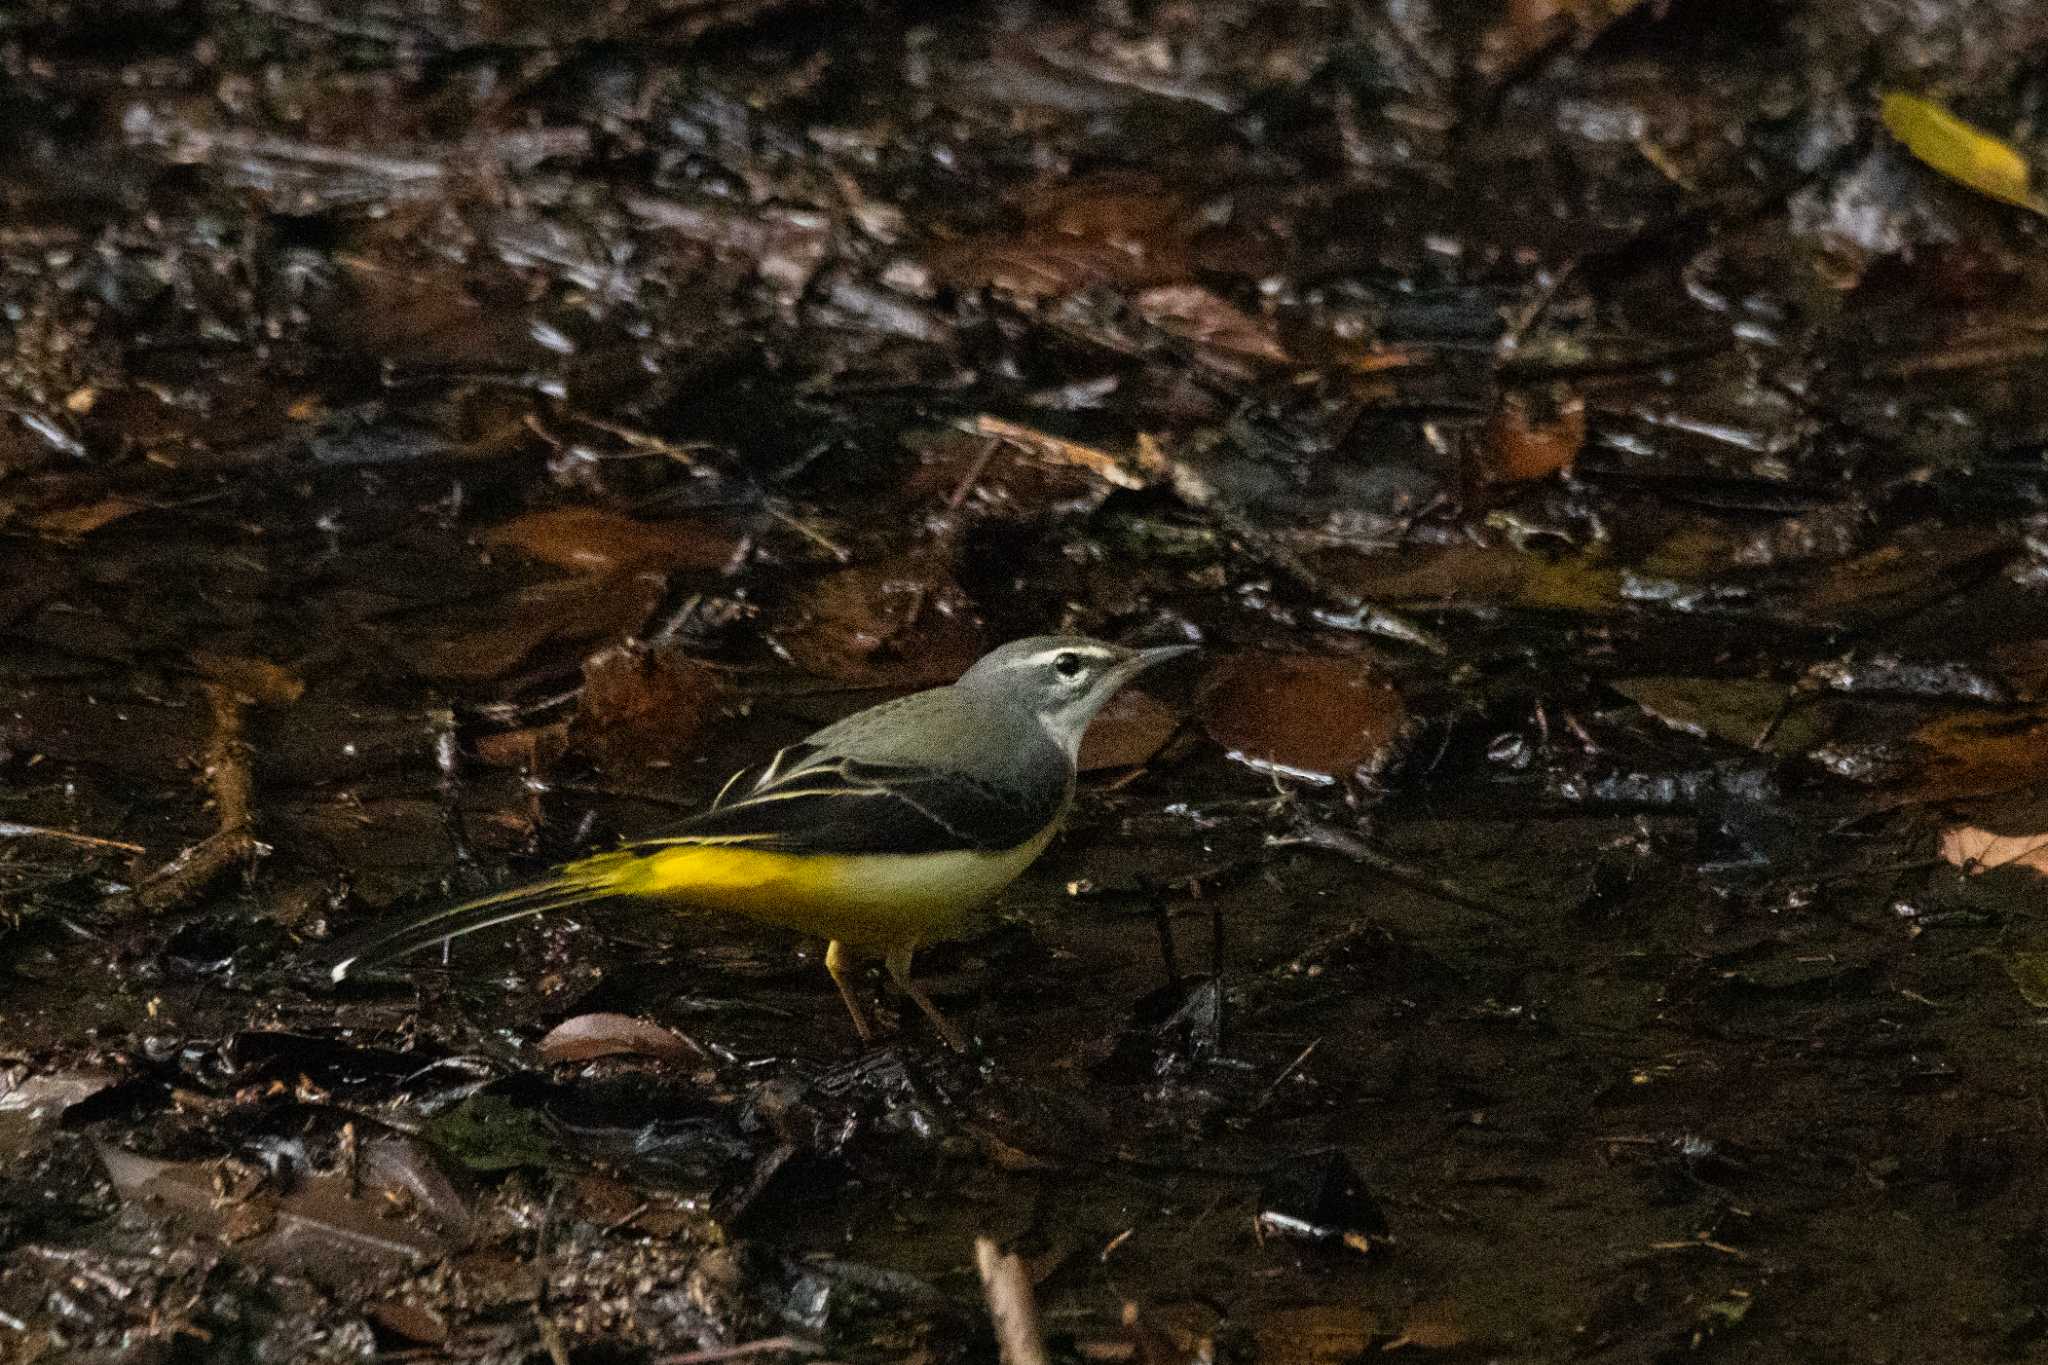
<point x="1961" y="151"/>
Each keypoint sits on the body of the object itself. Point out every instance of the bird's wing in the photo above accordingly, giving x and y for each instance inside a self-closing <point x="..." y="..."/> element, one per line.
<point x="847" y="806"/>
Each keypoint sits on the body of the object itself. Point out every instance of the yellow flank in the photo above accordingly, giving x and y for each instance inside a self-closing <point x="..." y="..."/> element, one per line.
<point x="865" y="900"/>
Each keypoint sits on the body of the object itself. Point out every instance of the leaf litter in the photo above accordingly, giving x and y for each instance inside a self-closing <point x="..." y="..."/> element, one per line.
<point x="503" y="427"/>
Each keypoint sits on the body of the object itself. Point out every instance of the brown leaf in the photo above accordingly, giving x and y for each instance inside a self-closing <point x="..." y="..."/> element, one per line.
<point x="1465" y="573"/>
<point x="1200" y="317"/>
<point x="1979" y="850"/>
<point x="1323" y="1334"/>
<point x="574" y="610"/>
<point x="533" y="749"/>
<point x="1532" y="436"/>
<point x="1124" y="231"/>
<point x="325" y="1226"/>
<point x="1302" y="715"/>
<point x="1432" y="1325"/>
<point x="899" y="622"/>
<point x="1127" y="732"/>
<point x="69" y="523"/>
<point x="259" y="680"/>
<point x="1979" y="753"/>
<point x="642" y="706"/>
<point x="593" y="540"/>
<point x="613" y="1035"/>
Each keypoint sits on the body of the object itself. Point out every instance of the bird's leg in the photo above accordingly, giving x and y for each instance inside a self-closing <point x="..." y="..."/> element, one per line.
<point x="837" y="962"/>
<point x="899" y="971"/>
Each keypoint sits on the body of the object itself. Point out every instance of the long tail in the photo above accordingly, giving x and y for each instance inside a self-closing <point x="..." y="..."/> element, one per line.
<point x="577" y="884"/>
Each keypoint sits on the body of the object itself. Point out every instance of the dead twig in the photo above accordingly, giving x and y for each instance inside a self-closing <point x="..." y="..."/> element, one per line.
<point x="10" y="830"/>
<point x="792" y="1345"/>
<point x="228" y="778"/>
<point x="1011" y="1306"/>
<point x="1330" y="839"/>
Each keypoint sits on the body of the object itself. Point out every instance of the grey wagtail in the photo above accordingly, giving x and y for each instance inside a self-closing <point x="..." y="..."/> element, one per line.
<point x="879" y="832"/>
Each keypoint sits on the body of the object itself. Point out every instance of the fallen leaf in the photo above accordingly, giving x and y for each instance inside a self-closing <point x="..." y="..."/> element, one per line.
<point x="1918" y="565"/>
<point x="1301" y="715"/>
<point x="593" y="540"/>
<point x="900" y="622"/>
<point x="1960" y="150"/>
<point x="574" y="610"/>
<point x="1534" y="435"/>
<point x="1466" y="574"/>
<point x="613" y="1035"/>
<point x="411" y="1321"/>
<point x="259" y="680"/>
<point x="642" y="706"/>
<point x="1323" y="1334"/>
<point x="2029" y="975"/>
<point x="1979" y="752"/>
<point x="1979" y="850"/>
<point x="533" y="749"/>
<point x="1753" y="713"/>
<point x="1432" y="1325"/>
<point x="1127" y="732"/>
<point x="69" y="523"/>
<point x="327" y="1226"/>
<point x="1203" y="318"/>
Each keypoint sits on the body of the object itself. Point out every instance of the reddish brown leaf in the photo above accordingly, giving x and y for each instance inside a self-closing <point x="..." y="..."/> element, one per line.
<point x="257" y="679"/>
<point x="1302" y="715"/>
<point x="69" y="523"/>
<point x="573" y="610"/>
<point x="1127" y="732"/>
<point x="895" y="623"/>
<point x="1200" y="317"/>
<point x="593" y="540"/>
<point x="613" y="1035"/>
<point x="642" y="706"/>
<point x="1532" y="436"/>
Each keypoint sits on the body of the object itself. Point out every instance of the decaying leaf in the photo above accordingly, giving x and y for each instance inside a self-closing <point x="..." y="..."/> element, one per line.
<point x="613" y="1035"/>
<point x="1466" y="575"/>
<point x="1323" y="1334"/>
<point x="574" y="610"/>
<point x="593" y="540"/>
<point x="1979" y="850"/>
<point x="1302" y="715"/>
<point x="643" y="706"/>
<point x="1960" y="150"/>
<point x="2029" y="974"/>
<point x="69" y="523"/>
<point x="1203" y="318"/>
<point x="1532" y="436"/>
<point x="1979" y="753"/>
<point x="324" y="1225"/>
<point x="1754" y="713"/>
<point x="899" y="622"/>
<point x="259" y="680"/>
<point x="1127" y="732"/>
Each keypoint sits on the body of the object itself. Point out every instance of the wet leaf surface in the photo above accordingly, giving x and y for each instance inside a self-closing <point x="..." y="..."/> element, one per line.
<point x="1298" y="716"/>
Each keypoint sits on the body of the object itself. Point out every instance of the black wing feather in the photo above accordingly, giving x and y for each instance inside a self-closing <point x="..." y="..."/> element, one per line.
<point x="852" y="807"/>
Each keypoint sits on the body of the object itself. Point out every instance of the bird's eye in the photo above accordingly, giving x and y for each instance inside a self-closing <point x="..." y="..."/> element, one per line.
<point x="1067" y="665"/>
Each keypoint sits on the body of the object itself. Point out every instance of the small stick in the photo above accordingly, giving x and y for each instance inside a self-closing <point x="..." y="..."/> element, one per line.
<point x="793" y="1345"/>
<point x="1333" y="840"/>
<point x="233" y="788"/>
<point x="10" y="830"/>
<point x="1011" y="1306"/>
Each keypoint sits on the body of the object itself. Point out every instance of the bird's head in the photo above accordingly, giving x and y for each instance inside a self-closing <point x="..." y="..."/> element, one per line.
<point x="1062" y="679"/>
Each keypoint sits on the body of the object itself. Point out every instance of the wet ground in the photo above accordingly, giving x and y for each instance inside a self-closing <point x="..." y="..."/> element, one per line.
<point x="1581" y="903"/>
